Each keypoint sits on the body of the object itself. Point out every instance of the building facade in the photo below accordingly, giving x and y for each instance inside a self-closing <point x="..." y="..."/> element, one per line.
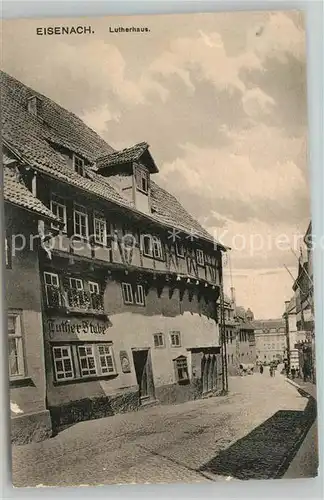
<point x="239" y="337"/>
<point x="30" y="417"/>
<point x="126" y="280"/>
<point x="305" y="320"/>
<point x="270" y="340"/>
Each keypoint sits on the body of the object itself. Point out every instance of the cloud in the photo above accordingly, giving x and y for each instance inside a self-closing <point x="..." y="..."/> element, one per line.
<point x="237" y="188"/>
<point x="256" y="102"/>
<point x="97" y="119"/>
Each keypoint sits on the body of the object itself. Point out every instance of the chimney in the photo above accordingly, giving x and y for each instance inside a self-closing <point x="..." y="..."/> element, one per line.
<point x="35" y="106"/>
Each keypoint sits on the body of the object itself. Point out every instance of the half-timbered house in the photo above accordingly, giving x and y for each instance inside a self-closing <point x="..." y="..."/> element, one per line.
<point x="129" y="280"/>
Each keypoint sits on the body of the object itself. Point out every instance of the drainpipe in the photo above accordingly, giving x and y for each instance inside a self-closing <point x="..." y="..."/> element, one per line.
<point x="286" y="316"/>
<point x="222" y="334"/>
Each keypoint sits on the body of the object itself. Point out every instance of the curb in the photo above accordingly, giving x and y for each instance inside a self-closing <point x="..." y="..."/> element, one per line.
<point x="302" y="390"/>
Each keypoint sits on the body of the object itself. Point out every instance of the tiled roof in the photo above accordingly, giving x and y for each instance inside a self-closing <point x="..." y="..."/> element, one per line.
<point x="15" y="192"/>
<point x="267" y="324"/>
<point x="33" y="139"/>
<point x="124" y="156"/>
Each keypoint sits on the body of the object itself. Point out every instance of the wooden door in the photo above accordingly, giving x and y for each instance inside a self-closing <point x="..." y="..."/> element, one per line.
<point x="144" y="374"/>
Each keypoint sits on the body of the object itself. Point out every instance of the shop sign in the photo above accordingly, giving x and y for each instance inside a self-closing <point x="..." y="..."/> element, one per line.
<point x="75" y="328"/>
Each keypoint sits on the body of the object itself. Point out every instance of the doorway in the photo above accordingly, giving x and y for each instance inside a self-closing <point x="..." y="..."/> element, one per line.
<point x="144" y="374"/>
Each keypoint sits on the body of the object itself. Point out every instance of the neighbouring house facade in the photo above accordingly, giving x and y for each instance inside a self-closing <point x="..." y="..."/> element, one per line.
<point x="239" y="336"/>
<point x="270" y="340"/>
<point x="125" y="281"/>
<point x="246" y="352"/>
<point x="294" y="337"/>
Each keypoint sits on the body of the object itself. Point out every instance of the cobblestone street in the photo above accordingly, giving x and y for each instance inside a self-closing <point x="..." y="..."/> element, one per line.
<point x="196" y="441"/>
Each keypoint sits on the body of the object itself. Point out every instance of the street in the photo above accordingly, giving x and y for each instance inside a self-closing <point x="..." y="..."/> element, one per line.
<point x="253" y="432"/>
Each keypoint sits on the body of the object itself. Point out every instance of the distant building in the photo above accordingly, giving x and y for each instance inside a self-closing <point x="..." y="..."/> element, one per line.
<point x="305" y="321"/>
<point x="294" y="338"/>
<point x="270" y="339"/>
<point x="246" y="349"/>
<point x="239" y="336"/>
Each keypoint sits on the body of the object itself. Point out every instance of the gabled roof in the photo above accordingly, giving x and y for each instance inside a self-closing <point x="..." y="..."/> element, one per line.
<point x="33" y="140"/>
<point x="16" y="193"/>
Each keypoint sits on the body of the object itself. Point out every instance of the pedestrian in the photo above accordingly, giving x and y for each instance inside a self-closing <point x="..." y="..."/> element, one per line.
<point x="293" y="373"/>
<point x="261" y="369"/>
<point x="271" y="371"/>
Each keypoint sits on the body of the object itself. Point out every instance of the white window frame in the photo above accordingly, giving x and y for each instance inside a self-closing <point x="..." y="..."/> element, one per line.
<point x="200" y="257"/>
<point x="81" y="211"/>
<point x="175" y="335"/>
<point x="127" y="291"/>
<point x="55" y="283"/>
<point x="89" y="354"/>
<point x="157" y="248"/>
<point x="59" y="348"/>
<point x="140" y="174"/>
<point x="55" y="201"/>
<point x="104" y="357"/>
<point x="180" y="251"/>
<point x="79" y="169"/>
<point x="99" y="218"/>
<point x="150" y="250"/>
<point x="158" y="336"/>
<point x="94" y="287"/>
<point x="139" y="295"/>
<point x="78" y="282"/>
<point x="17" y="336"/>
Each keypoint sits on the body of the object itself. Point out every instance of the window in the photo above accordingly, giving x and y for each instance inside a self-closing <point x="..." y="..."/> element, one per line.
<point x="106" y="359"/>
<point x="96" y="298"/>
<point x="80" y="221"/>
<point x="142" y="182"/>
<point x="52" y="289"/>
<point x="151" y="246"/>
<point x="157" y="248"/>
<point x="139" y="296"/>
<point x="63" y="365"/>
<point x="133" y="294"/>
<point x="15" y="346"/>
<point x="147" y="248"/>
<point x="200" y="257"/>
<point x="127" y="293"/>
<point x="94" y="287"/>
<point x="76" y="284"/>
<point x="78" y="164"/>
<point x="87" y="360"/>
<point x="158" y="340"/>
<point x="100" y="229"/>
<point x="180" y="250"/>
<point x="59" y="209"/>
<point x="181" y="366"/>
<point x="175" y="339"/>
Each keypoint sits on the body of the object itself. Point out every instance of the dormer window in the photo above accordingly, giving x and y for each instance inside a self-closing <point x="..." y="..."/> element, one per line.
<point x="78" y="165"/>
<point x="34" y="105"/>
<point x="142" y="180"/>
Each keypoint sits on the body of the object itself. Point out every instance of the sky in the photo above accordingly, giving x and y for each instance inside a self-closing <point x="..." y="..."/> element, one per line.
<point x="221" y="100"/>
